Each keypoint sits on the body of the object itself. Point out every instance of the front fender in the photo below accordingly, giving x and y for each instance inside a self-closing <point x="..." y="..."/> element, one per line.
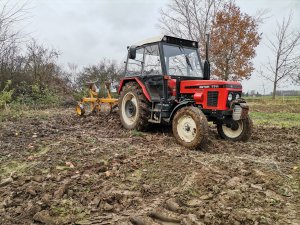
<point x="179" y="106"/>
<point x="239" y="101"/>
<point x="240" y="109"/>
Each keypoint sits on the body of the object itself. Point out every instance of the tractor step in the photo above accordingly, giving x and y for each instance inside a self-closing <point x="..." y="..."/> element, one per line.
<point x="155" y="110"/>
<point x="153" y="121"/>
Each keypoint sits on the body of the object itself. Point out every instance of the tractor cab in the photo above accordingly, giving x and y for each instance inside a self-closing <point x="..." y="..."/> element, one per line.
<point x="167" y="82"/>
<point x="162" y="58"/>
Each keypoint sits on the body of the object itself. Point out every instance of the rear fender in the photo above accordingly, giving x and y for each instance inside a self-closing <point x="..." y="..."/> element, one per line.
<point x="135" y="79"/>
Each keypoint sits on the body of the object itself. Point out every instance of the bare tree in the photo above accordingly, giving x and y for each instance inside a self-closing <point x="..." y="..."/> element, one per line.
<point x="284" y="65"/>
<point x="33" y="72"/>
<point x="105" y="70"/>
<point x="10" y="14"/>
<point x="41" y="63"/>
<point x="193" y="19"/>
<point x="10" y="38"/>
<point x="190" y="19"/>
<point x="296" y="77"/>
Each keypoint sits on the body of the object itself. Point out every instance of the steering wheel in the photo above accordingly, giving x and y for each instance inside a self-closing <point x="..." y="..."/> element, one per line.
<point x="148" y="72"/>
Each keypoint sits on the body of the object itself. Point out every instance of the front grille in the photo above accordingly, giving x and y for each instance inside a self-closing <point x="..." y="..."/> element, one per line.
<point x="212" y="98"/>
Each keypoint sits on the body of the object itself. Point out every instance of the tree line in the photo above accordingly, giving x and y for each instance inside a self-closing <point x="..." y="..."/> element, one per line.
<point x="234" y="38"/>
<point x="30" y="72"/>
<point x="33" y="72"/>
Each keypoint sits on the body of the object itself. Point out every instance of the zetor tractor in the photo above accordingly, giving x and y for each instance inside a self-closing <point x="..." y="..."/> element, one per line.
<point x="166" y="82"/>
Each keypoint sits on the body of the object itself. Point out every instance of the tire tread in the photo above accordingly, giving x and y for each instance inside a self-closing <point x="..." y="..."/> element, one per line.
<point x="142" y="124"/>
<point x="202" y="137"/>
<point x="244" y="136"/>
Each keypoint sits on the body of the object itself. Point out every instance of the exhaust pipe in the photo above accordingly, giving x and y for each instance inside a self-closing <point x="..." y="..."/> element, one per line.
<point x="206" y="63"/>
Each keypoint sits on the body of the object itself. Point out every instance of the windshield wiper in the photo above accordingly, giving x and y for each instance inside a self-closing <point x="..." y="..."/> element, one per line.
<point x="186" y="57"/>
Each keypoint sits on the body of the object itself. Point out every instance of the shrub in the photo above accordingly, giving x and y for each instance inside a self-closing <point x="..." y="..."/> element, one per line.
<point x="33" y="96"/>
<point x="6" y="95"/>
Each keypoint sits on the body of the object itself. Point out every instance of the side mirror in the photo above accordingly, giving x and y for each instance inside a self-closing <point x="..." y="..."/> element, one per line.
<point x="132" y="52"/>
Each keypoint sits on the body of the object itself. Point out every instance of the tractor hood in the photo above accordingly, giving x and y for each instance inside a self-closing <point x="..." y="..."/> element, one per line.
<point x="211" y="94"/>
<point x="192" y="86"/>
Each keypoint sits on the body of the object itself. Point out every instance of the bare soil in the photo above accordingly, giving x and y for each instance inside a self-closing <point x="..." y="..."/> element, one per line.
<point x="62" y="169"/>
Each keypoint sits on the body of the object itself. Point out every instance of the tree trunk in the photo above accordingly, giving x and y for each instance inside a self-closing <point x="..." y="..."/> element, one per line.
<point x="274" y="89"/>
<point x="226" y="77"/>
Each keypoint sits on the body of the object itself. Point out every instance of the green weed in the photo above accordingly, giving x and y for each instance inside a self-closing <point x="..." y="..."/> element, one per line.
<point x="136" y="133"/>
<point x="278" y="119"/>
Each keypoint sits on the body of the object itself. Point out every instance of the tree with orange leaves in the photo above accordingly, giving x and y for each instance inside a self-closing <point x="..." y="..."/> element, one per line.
<point x="233" y="42"/>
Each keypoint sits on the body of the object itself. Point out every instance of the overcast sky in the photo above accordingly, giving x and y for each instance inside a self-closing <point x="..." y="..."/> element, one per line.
<point x="85" y="31"/>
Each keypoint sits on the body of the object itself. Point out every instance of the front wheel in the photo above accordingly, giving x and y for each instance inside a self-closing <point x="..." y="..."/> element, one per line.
<point x="190" y="127"/>
<point x="240" y="130"/>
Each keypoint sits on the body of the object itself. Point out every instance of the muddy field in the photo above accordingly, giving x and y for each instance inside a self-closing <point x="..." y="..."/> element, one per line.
<point x="56" y="168"/>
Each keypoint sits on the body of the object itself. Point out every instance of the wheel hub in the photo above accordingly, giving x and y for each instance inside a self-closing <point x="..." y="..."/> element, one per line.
<point x="130" y="109"/>
<point x="233" y="125"/>
<point x="187" y="127"/>
<point x="233" y="129"/>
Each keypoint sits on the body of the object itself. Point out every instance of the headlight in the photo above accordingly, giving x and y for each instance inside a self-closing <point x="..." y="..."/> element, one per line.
<point x="229" y="97"/>
<point x="237" y="96"/>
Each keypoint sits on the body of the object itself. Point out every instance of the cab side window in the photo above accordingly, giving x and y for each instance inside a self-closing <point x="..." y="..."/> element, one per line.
<point x="135" y="66"/>
<point x="152" y="64"/>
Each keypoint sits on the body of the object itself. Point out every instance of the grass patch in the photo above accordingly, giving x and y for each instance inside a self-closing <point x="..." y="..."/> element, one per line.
<point x="136" y="133"/>
<point x="192" y="192"/>
<point x="13" y="167"/>
<point x="278" y="99"/>
<point x="12" y="114"/>
<point x="288" y="104"/>
<point x="41" y="151"/>
<point x="278" y="119"/>
<point x="282" y="111"/>
<point x="136" y="175"/>
<point x="104" y="161"/>
<point x="63" y="168"/>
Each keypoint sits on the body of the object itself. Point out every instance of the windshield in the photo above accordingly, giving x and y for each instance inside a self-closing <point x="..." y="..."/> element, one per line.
<point x="182" y="61"/>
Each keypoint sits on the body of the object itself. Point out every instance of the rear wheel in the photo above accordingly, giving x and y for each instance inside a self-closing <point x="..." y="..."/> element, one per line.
<point x="190" y="127"/>
<point x="134" y="107"/>
<point x="240" y="130"/>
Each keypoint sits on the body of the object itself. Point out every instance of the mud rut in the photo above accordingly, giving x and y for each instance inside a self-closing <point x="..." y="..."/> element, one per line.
<point x="61" y="169"/>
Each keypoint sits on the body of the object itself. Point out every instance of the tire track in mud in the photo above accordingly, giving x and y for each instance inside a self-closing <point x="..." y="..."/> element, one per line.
<point x="122" y="177"/>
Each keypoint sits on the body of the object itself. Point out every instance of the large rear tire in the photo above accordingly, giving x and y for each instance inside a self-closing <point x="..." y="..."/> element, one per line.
<point x="241" y="131"/>
<point x="190" y="127"/>
<point x="134" y="108"/>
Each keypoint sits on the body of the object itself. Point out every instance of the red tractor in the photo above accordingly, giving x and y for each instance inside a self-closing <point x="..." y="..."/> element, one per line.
<point x="166" y="82"/>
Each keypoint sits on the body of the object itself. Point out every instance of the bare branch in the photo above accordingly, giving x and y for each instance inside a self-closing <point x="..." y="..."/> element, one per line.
<point x="285" y="47"/>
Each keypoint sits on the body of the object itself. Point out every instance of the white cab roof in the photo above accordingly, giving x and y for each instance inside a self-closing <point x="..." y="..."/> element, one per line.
<point x="150" y="40"/>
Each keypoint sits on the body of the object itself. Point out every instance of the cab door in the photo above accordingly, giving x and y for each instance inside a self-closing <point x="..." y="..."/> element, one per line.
<point x="152" y="74"/>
